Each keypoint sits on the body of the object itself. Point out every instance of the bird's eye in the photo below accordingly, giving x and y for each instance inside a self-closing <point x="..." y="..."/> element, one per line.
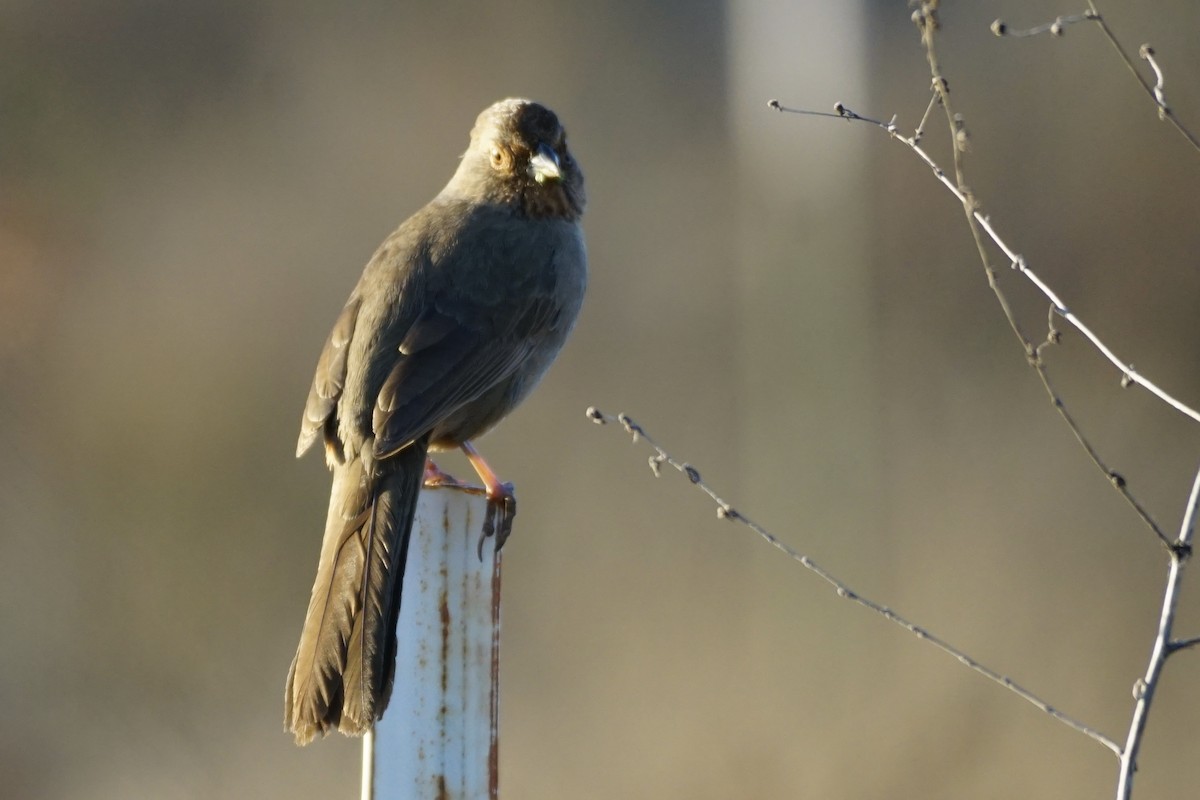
<point x="501" y="158"/>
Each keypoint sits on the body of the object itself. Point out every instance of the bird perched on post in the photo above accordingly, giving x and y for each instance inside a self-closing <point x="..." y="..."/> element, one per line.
<point x="455" y="319"/>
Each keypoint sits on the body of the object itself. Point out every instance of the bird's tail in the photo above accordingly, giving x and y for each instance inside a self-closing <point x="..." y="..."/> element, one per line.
<point x="342" y="673"/>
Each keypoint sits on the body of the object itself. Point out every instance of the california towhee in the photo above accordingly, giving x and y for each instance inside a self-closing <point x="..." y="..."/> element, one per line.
<point x="453" y="322"/>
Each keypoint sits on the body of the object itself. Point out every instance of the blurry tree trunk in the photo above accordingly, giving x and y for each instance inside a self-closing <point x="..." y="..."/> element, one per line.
<point x="808" y="410"/>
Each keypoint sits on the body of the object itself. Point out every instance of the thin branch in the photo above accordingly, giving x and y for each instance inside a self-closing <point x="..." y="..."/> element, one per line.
<point x="727" y="511"/>
<point x="1163" y="111"/>
<point x="1129" y="375"/>
<point x="926" y="21"/>
<point x="1056" y="28"/>
<point x="920" y="131"/>
<point x="1146" y="686"/>
<point x="1145" y="52"/>
<point x="1115" y="478"/>
<point x="1057" y="308"/>
<point x="1184" y="644"/>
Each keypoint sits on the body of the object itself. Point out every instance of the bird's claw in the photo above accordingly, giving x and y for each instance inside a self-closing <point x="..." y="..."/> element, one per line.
<point x="501" y="508"/>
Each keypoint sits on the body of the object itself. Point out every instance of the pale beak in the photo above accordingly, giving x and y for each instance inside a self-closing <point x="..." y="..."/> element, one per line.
<point x="543" y="166"/>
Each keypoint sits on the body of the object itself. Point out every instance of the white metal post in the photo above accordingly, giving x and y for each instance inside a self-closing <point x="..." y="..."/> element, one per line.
<point x="439" y="735"/>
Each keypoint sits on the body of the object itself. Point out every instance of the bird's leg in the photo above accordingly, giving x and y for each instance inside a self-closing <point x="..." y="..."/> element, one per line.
<point x="502" y="502"/>
<point x="435" y="476"/>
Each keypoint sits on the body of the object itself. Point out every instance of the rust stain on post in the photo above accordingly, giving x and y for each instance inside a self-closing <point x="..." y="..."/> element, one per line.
<point x="494" y="699"/>
<point x="444" y="617"/>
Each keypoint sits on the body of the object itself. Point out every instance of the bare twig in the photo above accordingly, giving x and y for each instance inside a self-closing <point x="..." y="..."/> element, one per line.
<point x="726" y="511"/>
<point x="920" y="131"/>
<point x="1056" y="28"/>
<point x="1163" y="111"/>
<point x="976" y="222"/>
<point x="1180" y="549"/>
<point x="1115" y="478"/>
<point x="1184" y="644"/>
<point x="1057" y="308"/>
<point x="1146" y="686"/>
<point x="1129" y="375"/>
<point x="1145" y="52"/>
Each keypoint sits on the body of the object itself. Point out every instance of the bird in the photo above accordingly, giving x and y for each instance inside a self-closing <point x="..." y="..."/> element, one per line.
<point x="457" y="316"/>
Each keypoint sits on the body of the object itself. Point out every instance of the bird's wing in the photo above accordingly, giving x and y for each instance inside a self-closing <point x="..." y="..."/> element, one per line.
<point x="449" y="358"/>
<point x="330" y="378"/>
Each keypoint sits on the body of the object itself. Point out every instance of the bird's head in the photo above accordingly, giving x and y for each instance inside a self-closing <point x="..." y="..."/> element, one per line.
<point x="518" y="154"/>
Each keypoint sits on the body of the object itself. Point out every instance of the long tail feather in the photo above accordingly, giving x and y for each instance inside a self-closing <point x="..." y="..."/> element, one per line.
<point x="342" y="673"/>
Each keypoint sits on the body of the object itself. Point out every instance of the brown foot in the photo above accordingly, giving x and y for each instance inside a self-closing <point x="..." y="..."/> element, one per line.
<point x="502" y="502"/>
<point x="502" y="507"/>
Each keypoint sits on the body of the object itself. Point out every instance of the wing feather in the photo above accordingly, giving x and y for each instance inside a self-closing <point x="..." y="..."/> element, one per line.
<point x="453" y="367"/>
<point x="330" y="378"/>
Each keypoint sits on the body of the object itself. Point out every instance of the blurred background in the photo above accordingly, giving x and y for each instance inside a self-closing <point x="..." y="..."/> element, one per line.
<point x="189" y="190"/>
